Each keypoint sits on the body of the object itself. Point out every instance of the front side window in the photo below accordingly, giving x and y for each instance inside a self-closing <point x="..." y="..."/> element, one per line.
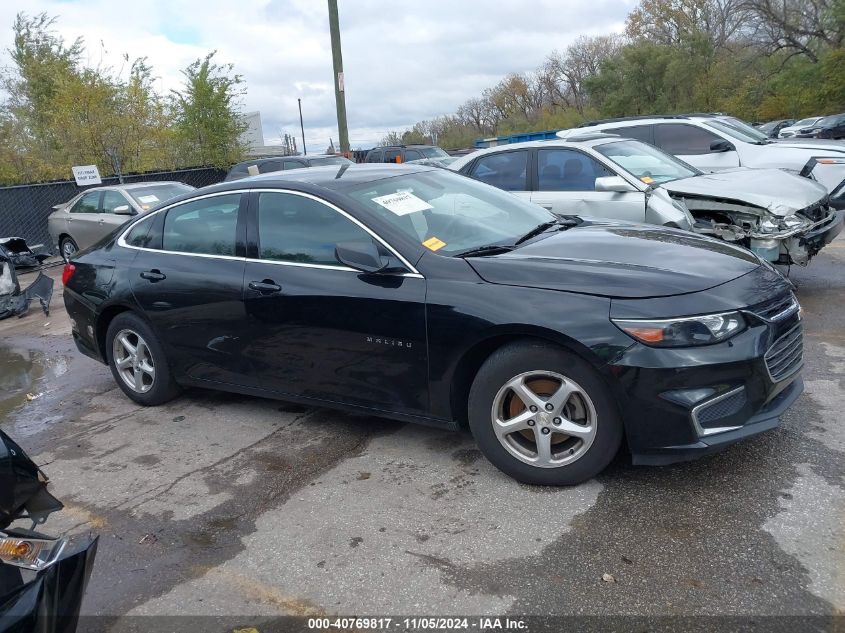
<point x="112" y="200"/>
<point x="298" y="229"/>
<point x="294" y="164"/>
<point x="412" y="154"/>
<point x="89" y="203"/>
<point x="646" y="162"/>
<point x="433" y="152"/>
<point x="330" y="160"/>
<point x="568" y="170"/>
<point x="506" y="170"/>
<point x="390" y="155"/>
<point x="448" y="213"/>
<point x="374" y="156"/>
<point x="680" y="138"/>
<point x="206" y="226"/>
<point x="269" y="166"/>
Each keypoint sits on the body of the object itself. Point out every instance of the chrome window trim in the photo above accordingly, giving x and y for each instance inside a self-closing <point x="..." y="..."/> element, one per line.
<point x="702" y="432"/>
<point x="121" y="241"/>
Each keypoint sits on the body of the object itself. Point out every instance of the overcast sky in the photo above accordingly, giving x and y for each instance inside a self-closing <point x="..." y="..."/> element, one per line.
<point x="404" y="60"/>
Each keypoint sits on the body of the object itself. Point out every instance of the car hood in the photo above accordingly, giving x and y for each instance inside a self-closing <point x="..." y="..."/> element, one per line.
<point x="619" y="260"/>
<point x="779" y="192"/>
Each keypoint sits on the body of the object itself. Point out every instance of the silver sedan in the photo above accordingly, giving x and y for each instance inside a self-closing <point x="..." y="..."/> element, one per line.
<point x="91" y="215"/>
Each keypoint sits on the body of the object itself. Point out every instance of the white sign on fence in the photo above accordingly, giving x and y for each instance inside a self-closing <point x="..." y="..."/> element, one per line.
<point x="86" y="175"/>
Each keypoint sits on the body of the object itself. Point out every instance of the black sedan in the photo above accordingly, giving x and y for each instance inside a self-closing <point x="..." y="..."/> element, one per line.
<point x="417" y="294"/>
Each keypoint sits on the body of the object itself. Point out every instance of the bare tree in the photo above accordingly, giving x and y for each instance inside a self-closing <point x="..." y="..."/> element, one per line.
<point x="798" y="26"/>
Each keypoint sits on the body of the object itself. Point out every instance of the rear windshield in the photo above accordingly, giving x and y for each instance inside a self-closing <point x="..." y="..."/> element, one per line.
<point x="330" y="160"/>
<point x="148" y="197"/>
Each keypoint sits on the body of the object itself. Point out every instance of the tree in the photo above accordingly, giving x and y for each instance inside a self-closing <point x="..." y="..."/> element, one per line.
<point x="208" y="124"/>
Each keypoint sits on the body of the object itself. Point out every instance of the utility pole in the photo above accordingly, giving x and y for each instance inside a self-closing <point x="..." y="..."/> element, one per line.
<point x="302" y="128"/>
<point x="337" y="62"/>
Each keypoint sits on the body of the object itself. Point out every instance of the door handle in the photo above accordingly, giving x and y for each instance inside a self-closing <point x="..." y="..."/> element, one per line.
<point x="153" y="275"/>
<point x="265" y="287"/>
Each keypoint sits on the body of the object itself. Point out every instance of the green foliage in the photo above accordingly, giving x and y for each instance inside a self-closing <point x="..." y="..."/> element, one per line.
<point x="59" y="112"/>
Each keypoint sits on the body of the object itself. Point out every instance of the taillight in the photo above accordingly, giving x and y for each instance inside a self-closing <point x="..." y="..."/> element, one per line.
<point x="67" y="273"/>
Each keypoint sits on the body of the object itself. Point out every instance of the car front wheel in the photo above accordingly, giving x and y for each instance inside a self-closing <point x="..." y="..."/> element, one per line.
<point x="137" y="361"/>
<point x="543" y="416"/>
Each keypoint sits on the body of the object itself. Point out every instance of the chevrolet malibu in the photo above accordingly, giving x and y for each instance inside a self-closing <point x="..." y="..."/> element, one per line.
<point x="416" y="294"/>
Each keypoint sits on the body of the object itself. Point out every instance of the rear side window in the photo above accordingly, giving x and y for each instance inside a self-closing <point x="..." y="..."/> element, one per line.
<point x="680" y="138"/>
<point x="390" y="155"/>
<point x="644" y="133"/>
<point x="269" y="165"/>
<point x="568" y="170"/>
<point x="206" y="226"/>
<point x="294" y="228"/>
<point x="374" y="156"/>
<point x="506" y="171"/>
<point x="89" y="203"/>
<point x="294" y="164"/>
<point x="140" y="234"/>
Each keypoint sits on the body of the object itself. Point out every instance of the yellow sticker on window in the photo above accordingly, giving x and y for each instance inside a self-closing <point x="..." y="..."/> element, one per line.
<point x="434" y="243"/>
<point x="647" y="179"/>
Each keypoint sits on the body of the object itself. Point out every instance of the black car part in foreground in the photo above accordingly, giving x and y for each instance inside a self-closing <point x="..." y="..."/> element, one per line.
<point x="13" y="301"/>
<point x="18" y="252"/>
<point x="42" y="578"/>
<point x="417" y="294"/>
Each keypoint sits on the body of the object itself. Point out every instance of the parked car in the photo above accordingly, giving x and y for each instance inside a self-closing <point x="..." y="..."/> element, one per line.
<point x="717" y="142"/>
<point x="91" y="215"/>
<point x="42" y="578"/>
<point x="772" y="128"/>
<point x="791" y="130"/>
<point x="829" y="127"/>
<point x="404" y="153"/>
<point x="417" y="294"/>
<point x="280" y="163"/>
<point x="782" y="217"/>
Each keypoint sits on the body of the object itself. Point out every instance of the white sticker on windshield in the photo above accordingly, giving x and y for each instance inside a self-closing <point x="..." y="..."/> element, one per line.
<point x="147" y="199"/>
<point x="402" y="203"/>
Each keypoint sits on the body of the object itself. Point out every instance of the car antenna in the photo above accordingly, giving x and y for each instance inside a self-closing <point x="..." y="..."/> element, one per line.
<point x="341" y="171"/>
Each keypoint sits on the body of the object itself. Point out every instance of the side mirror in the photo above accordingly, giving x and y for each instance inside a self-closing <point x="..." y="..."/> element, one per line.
<point x="721" y="146"/>
<point x="363" y="256"/>
<point x="123" y="209"/>
<point x="615" y="184"/>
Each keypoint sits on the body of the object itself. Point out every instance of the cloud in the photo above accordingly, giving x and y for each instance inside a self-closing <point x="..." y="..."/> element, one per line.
<point x="403" y="61"/>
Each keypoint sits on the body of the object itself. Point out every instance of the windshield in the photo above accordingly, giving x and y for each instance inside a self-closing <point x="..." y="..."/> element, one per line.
<point x="449" y="213"/>
<point x="646" y="162"/>
<point x="330" y="160"/>
<point x="148" y="197"/>
<point x="738" y="130"/>
<point x="433" y="152"/>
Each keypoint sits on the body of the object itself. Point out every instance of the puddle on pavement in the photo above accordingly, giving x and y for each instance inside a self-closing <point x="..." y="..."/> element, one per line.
<point x="26" y="376"/>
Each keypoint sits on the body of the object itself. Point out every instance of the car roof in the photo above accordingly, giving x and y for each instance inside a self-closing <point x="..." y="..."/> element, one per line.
<point x="578" y="139"/>
<point x="333" y="177"/>
<point x="655" y="118"/>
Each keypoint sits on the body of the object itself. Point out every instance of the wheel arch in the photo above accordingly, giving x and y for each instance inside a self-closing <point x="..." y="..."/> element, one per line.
<point x="102" y="326"/>
<point x="474" y="356"/>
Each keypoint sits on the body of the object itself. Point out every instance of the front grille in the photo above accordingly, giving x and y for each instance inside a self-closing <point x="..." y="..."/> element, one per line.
<point x="721" y="409"/>
<point x="776" y="308"/>
<point x="816" y="212"/>
<point x="786" y="355"/>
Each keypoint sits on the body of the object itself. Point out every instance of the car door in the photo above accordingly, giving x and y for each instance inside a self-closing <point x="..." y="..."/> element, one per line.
<point x="83" y="220"/>
<point x="692" y="144"/>
<point x="508" y="170"/>
<point x="115" y="211"/>
<point x="319" y="329"/>
<point x="566" y="184"/>
<point x="187" y="276"/>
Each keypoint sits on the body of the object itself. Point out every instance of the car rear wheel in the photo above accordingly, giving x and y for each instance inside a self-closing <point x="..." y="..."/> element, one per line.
<point x="137" y="361"/>
<point x="68" y="248"/>
<point x="543" y="416"/>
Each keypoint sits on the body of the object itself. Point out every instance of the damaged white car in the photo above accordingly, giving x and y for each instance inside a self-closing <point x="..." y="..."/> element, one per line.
<point x="784" y="218"/>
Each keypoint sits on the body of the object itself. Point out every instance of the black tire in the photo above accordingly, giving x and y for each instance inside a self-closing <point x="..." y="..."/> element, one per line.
<point x="67" y="248"/>
<point x="528" y="356"/>
<point x="162" y="386"/>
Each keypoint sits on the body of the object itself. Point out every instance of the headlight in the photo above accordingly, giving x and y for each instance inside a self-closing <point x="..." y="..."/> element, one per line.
<point x="685" y="331"/>
<point x="30" y="553"/>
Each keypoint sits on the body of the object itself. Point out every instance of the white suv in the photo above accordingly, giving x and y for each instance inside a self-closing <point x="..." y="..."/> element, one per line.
<point x="717" y="142"/>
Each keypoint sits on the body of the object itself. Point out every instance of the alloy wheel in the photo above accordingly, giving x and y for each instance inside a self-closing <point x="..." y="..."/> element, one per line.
<point x="544" y="419"/>
<point x="133" y="361"/>
<point x="68" y="250"/>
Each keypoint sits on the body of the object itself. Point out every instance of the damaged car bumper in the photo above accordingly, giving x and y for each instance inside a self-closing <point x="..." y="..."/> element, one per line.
<point x="13" y="301"/>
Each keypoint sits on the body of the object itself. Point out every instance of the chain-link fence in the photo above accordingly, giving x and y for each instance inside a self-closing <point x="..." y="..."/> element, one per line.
<point x="24" y="208"/>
